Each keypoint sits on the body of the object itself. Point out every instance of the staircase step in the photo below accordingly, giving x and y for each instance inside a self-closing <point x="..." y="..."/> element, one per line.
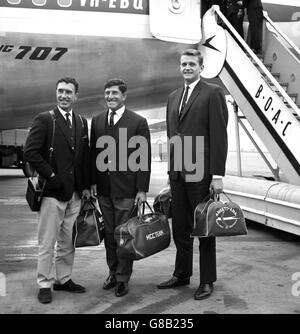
<point x="276" y="75"/>
<point x="269" y="66"/>
<point x="284" y="85"/>
<point x="293" y="96"/>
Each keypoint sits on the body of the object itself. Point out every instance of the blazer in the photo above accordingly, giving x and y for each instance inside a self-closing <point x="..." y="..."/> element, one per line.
<point x="204" y="116"/>
<point x="70" y="162"/>
<point x="122" y="181"/>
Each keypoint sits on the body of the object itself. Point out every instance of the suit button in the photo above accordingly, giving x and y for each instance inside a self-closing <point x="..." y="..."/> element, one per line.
<point x="71" y="172"/>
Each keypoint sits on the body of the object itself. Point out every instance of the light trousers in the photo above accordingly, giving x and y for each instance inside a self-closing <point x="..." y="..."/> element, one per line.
<point x="56" y="251"/>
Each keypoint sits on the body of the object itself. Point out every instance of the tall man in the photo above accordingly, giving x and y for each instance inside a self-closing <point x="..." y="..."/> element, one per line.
<point x="117" y="177"/>
<point x="196" y="113"/>
<point x="66" y="181"/>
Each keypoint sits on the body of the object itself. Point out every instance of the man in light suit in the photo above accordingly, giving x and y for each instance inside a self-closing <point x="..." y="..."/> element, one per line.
<point x="195" y="112"/>
<point x="66" y="181"/>
<point x="118" y="182"/>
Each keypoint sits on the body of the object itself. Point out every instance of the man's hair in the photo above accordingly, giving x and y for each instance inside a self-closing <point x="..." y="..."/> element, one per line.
<point x="116" y="82"/>
<point x="69" y="80"/>
<point x="194" y="53"/>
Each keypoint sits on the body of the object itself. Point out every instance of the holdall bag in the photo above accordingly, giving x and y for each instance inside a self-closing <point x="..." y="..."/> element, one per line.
<point x="88" y="229"/>
<point x="218" y="219"/>
<point x="163" y="201"/>
<point x="35" y="191"/>
<point x="143" y="235"/>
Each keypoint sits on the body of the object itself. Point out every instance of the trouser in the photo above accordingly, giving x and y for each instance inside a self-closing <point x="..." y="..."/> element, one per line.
<point x="237" y="22"/>
<point x="115" y="212"/>
<point x="255" y="17"/>
<point x="55" y="226"/>
<point x="185" y="197"/>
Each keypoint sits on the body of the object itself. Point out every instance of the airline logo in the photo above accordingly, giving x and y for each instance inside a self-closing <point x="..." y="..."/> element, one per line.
<point x="111" y="6"/>
<point x="226" y="217"/>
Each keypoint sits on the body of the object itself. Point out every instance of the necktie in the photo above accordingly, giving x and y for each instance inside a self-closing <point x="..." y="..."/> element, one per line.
<point x="111" y="118"/>
<point x="183" y="104"/>
<point x="68" y="120"/>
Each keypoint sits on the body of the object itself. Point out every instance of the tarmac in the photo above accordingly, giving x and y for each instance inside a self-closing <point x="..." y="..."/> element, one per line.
<point x="257" y="274"/>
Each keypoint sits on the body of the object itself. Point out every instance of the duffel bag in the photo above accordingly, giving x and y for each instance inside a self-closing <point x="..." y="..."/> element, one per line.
<point x="214" y="218"/>
<point x="163" y="201"/>
<point x="143" y="235"/>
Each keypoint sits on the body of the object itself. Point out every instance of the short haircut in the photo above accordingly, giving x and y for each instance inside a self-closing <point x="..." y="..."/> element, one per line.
<point x="69" y="80"/>
<point x="116" y="82"/>
<point x="194" y="53"/>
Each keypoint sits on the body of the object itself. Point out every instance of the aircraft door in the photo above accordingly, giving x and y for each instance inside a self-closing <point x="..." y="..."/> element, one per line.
<point x="176" y="20"/>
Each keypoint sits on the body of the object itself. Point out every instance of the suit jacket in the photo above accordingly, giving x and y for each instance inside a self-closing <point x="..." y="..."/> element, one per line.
<point x="70" y="161"/>
<point x="120" y="183"/>
<point x="204" y="115"/>
<point x="252" y="4"/>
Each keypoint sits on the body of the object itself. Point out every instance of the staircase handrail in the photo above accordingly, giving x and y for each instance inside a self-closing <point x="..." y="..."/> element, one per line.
<point x="281" y="33"/>
<point x="284" y="94"/>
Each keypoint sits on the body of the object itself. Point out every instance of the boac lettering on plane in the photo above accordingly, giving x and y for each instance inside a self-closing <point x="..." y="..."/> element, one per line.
<point x="117" y="6"/>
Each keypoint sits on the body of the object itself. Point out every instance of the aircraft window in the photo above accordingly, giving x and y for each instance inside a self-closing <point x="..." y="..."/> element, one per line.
<point x="14" y="2"/>
<point x="39" y="2"/>
<point x="64" y="3"/>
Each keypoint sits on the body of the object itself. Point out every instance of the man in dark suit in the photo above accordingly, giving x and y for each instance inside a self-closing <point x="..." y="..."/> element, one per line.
<point x="66" y="181"/>
<point x="196" y="114"/>
<point x="117" y="178"/>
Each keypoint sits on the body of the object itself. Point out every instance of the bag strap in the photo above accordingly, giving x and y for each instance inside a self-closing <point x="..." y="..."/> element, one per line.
<point x="141" y="213"/>
<point x="50" y="150"/>
<point x="227" y="196"/>
<point x="138" y="206"/>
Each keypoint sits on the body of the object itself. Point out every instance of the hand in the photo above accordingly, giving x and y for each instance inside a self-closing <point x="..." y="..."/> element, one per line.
<point x="94" y="191"/>
<point x="140" y="197"/>
<point x="240" y="13"/>
<point x="86" y="194"/>
<point x="216" y="186"/>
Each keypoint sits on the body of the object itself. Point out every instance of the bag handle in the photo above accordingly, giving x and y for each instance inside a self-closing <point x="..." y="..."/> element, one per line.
<point x="138" y="206"/>
<point x="141" y="213"/>
<point x="227" y="196"/>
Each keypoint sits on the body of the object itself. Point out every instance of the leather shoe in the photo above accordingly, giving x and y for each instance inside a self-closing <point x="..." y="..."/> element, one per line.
<point x="110" y="282"/>
<point x="121" y="289"/>
<point x="204" y="291"/>
<point x="173" y="282"/>
<point x="45" y="295"/>
<point x="69" y="286"/>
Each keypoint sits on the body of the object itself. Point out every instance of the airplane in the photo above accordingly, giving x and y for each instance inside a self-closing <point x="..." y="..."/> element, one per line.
<point x="41" y="40"/>
<point x="94" y="40"/>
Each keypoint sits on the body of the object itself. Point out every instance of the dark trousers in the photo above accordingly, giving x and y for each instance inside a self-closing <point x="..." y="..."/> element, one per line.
<point x="237" y="23"/>
<point x="255" y="17"/>
<point x="116" y="212"/>
<point x="185" y="198"/>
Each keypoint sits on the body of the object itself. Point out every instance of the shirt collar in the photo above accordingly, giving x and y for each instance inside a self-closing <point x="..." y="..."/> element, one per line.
<point x="64" y="112"/>
<point x="118" y="112"/>
<point x="192" y="85"/>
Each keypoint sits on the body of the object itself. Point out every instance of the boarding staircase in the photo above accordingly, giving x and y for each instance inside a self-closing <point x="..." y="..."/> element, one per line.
<point x="265" y="88"/>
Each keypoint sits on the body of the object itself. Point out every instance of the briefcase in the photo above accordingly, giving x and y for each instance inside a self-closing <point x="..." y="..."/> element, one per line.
<point x="214" y="218"/>
<point x="34" y="194"/>
<point x="88" y="229"/>
<point x="143" y="235"/>
<point x="163" y="202"/>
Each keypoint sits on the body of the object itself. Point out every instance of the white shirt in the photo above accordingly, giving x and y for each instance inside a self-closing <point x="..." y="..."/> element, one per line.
<point x="64" y="114"/>
<point x="191" y="88"/>
<point x="118" y="114"/>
